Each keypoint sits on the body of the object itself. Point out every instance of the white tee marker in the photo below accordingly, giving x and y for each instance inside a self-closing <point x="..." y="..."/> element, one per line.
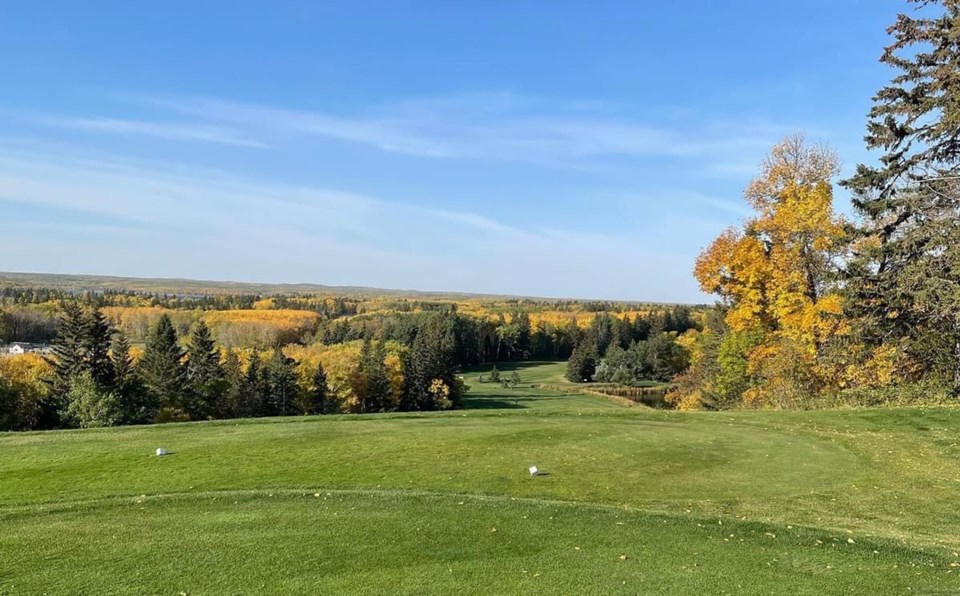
<point x="534" y="471"/>
<point x="161" y="451"/>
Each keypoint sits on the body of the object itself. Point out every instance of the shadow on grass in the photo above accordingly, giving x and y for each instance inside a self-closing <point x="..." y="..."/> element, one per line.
<point x="493" y="403"/>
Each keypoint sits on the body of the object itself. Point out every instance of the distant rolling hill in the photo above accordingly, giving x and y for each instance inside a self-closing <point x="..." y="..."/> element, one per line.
<point x="99" y="283"/>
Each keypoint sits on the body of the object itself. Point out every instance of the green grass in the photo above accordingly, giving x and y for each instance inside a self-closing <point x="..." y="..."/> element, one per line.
<point x="741" y="503"/>
<point x="550" y="373"/>
<point x="568" y="399"/>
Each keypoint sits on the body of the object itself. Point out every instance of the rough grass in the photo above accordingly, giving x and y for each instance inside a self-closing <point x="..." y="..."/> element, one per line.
<point x="747" y="503"/>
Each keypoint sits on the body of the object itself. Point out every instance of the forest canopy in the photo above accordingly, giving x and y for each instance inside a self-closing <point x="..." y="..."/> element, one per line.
<point x="133" y="357"/>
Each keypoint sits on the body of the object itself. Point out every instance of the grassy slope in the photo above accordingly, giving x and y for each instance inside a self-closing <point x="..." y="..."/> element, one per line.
<point x="717" y="503"/>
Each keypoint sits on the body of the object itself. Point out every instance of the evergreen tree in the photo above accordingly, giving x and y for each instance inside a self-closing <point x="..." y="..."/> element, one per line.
<point x="162" y="369"/>
<point x="524" y="345"/>
<point x="664" y="358"/>
<point x="583" y="362"/>
<point x="69" y="348"/>
<point x="230" y="404"/>
<point x="542" y="343"/>
<point x="430" y="379"/>
<point x="641" y="328"/>
<point x="9" y="402"/>
<point x="281" y="395"/>
<point x="407" y="401"/>
<point x="96" y="341"/>
<point x="137" y="405"/>
<point x="373" y="380"/>
<point x="360" y="386"/>
<point x="254" y="388"/>
<point x="423" y="355"/>
<point x="6" y="326"/>
<point x="601" y="331"/>
<point x="320" y="401"/>
<point x="377" y="380"/>
<point x="204" y="374"/>
<point x="122" y="360"/>
<point x="904" y="279"/>
<point x="81" y="346"/>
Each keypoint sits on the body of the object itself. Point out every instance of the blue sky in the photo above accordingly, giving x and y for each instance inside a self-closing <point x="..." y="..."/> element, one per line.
<point x="575" y="149"/>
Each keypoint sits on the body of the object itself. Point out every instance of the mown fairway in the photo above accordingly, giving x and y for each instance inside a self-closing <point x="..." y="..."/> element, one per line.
<point x="635" y="501"/>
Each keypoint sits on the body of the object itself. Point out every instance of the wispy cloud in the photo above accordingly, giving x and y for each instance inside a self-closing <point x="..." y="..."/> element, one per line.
<point x="217" y="224"/>
<point x="497" y="127"/>
<point x="161" y="130"/>
<point x="212" y="224"/>
<point x="500" y="127"/>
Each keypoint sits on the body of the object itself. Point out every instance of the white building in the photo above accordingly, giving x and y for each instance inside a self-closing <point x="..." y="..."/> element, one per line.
<point x="19" y="347"/>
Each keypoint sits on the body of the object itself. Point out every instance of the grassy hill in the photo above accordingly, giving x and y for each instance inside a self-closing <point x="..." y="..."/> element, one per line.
<point x="633" y="501"/>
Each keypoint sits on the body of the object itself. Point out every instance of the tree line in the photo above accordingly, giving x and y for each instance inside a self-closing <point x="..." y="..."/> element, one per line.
<point x="615" y="350"/>
<point x="94" y="379"/>
<point x="514" y="336"/>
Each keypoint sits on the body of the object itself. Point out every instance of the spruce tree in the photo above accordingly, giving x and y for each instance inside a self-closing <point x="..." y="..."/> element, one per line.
<point x="360" y="385"/>
<point x="574" y="367"/>
<point x="320" y="401"/>
<point x="254" y="388"/>
<point x="162" y="368"/>
<point x="422" y="359"/>
<point x="524" y="346"/>
<point x="123" y="366"/>
<point x="96" y="339"/>
<point x="583" y="362"/>
<point x="903" y="281"/>
<point x="204" y="374"/>
<point x="69" y="361"/>
<point x="6" y="327"/>
<point x="377" y="380"/>
<point x="282" y="385"/>
<point x="408" y="396"/>
<point x="9" y="402"/>
<point x="230" y="404"/>
<point x="69" y="348"/>
<point x="137" y="405"/>
<point x="431" y="359"/>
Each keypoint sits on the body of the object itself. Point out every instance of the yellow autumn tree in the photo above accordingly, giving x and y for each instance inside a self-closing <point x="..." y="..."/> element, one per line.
<point x="774" y="275"/>
<point x="23" y="376"/>
<point x="340" y="363"/>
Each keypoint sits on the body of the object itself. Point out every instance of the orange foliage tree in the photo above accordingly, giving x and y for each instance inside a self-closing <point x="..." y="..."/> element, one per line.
<point x="775" y="275"/>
